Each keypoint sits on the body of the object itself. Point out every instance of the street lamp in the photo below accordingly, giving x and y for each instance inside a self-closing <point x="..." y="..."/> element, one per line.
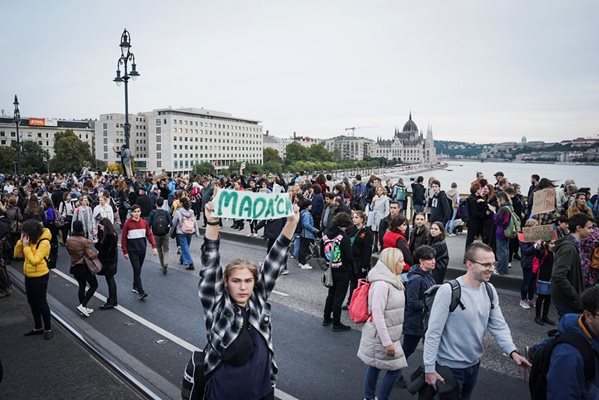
<point x="123" y="60"/>
<point x="17" y="119"/>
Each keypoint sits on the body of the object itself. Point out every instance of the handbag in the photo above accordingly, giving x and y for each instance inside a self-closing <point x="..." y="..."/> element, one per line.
<point x="94" y="265"/>
<point x="327" y="278"/>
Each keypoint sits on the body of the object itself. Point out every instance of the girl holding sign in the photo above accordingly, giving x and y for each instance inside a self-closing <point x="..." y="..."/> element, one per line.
<point x="239" y="359"/>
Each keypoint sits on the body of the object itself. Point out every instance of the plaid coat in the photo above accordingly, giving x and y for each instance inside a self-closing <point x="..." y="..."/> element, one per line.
<point x="223" y="319"/>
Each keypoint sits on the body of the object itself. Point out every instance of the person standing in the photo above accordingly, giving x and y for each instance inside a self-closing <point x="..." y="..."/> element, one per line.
<point x="379" y="209"/>
<point x="101" y="211"/>
<point x="108" y="255"/>
<point x="160" y="222"/>
<point x="80" y="247"/>
<point x="84" y="213"/>
<point x="185" y="225"/>
<point x="133" y="243"/>
<point x="66" y="210"/>
<point x="34" y="247"/>
<point x="361" y="244"/>
<point x="455" y="339"/>
<point x="437" y="241"/>
<point x="307" y="233"/>
<point x="380" y="345"/>
<point x="440" y="209"/>
<point x="418" y="197"/>
<point x="396" y="237"/>
<point x="502" y="219"/>
<point x="419" y="234"/>
<point x="454" y="196"/>
<point x="566" y="279"/>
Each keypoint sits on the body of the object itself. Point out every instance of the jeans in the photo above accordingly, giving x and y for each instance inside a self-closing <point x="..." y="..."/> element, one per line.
<point x="296" y="246"/>
<point x="502" y="254"/>
<point x="336" y="296"/>
<point x="372" y="375"/>
<point x="36" y="289"/>
<point x="529" y="286"/>
<point x="162" y="247"/>
<point x="450" y="225"/>
<point x="563" y="310"/>
<point x="83" y="280"/>
<point x="137" y="261"/>
<point x="185" y="242"/>
<point x="466" y="379"/>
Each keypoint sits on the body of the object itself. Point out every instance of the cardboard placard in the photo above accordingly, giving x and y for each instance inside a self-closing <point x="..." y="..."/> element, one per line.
<point x="539" y="232"/>
<point x="543" y="201"/>
<point x="242" y="204"/>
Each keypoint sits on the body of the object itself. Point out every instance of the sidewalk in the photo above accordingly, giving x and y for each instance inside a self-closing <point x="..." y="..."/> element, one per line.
<point x="455" y="247"/>
<point x="60" y="368"/>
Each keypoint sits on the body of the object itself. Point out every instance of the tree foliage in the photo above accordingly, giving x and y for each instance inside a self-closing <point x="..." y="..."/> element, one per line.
<point x="33" y="157"/>
<point x="203" y="168"/>
<point x="8" y="158"/>
<point x="70" y="153"/>
<point x="271" y="155"/>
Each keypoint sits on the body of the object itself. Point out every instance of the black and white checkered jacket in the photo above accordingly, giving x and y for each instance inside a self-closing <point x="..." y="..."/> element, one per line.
<point x="223" y="319"/>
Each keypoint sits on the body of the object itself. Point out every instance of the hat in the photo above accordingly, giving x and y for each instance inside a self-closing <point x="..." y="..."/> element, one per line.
<point x="498" y="173"/>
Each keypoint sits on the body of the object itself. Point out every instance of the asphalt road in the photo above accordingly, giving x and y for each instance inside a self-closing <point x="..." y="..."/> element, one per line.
<point x="154" y="337"/>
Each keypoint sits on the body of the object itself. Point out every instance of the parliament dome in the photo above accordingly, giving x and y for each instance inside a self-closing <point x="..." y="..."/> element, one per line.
<point x="410" y="126"/>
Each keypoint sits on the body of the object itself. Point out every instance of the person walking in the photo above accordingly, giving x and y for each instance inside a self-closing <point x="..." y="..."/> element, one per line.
<point x="186" y="226"/>
<point x="84" y="214"/>
<point x="380" y="345"/>
<point x="361" y="243"/>
<point x="80" y="247"/>
<point x="240" y="360"/>
<point x="34" y="247"/>
<point x="107" y="246"/>
<point x="66" y="210"/>
<point x="436" y="240"/>
<point x="133" y="243"/>
<point x="501" y="220"/>
<point x="307" y="233"/>
<point x="379" y="209"/>
<point x="160" y="222"/>
<point x="419" y="234"/>
<point x="341" y="243"/>
<point x="101" y="211"/>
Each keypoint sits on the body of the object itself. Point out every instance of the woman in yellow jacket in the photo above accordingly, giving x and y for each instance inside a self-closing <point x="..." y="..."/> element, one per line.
<point x="34" y="246"/>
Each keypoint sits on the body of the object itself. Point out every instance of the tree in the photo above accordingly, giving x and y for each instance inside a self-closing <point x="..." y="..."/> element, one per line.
<point x="8" y="158"/>
<point x="317" y="152"/>
<point x="271" y="155"/>
<point x="295" y="152"/>
<point x="204" y="168"/>
<point x="33" y="157"/>
<point x="70" y="153"/>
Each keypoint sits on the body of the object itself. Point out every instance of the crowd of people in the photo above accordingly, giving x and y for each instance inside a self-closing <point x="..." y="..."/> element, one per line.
<point x="406" y="231"/>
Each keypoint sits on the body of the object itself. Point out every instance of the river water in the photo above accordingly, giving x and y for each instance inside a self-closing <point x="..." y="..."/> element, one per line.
<point x="464" y="172"/>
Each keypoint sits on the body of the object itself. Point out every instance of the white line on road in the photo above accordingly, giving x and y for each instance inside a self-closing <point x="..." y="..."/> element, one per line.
<point x="175" y="339"/>
<point x="280" y="293"/>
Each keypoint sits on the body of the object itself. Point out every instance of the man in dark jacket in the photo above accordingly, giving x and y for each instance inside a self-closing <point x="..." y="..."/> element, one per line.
<point x="418" y="195"/>
<point x="440" y="209"/>
<point x="57" y="195"/>
<point x="566" y="280"/>
<point x="144" y="202"/>
<point x="317" y="204"/>
<point x="384" y="225"/>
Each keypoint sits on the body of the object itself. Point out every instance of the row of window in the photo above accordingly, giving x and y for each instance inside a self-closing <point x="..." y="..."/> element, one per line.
<point x="215" y="140"/>
<point x="211" y="125"/>
<point x="230" y="148"/>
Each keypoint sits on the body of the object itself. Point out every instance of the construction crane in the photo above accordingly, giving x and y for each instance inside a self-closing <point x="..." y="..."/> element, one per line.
<point x="353" y="128"/>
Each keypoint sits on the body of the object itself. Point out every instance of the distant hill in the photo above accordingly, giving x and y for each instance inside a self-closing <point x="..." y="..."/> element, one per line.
<point x="452" y="148"/>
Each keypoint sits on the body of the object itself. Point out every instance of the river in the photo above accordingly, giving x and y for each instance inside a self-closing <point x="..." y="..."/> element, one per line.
<point x="464" y="172"/>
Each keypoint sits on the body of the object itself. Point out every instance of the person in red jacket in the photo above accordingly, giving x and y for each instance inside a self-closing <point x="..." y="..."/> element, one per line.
<point x="133" y="243"/>
<point x="396" y="237"/>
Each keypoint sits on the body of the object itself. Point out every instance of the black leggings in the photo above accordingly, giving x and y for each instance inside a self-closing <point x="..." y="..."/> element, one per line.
<point x="82" y="280"/>
<point x="36" y="297"/>
<point x="543" y="302"/>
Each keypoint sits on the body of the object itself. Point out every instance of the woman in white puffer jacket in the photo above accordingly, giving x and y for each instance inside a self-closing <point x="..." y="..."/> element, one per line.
<point x="380" y="345"/>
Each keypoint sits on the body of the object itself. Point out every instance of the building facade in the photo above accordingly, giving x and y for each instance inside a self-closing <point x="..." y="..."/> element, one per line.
<point x="110" y="135"/>
<point x="43" y="130"/>
<point x="349" y="147"/>
<point x="180" y="138"/>
<point x="408" y="146"/>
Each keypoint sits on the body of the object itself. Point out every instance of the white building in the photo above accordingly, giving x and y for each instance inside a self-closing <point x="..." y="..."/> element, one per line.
<point x="180" y="138"/>
<point x="409" y="146"/>
<point x="110" y="134"/>
<point x="42" y="131"/>
<point x="349" y="147"/>
<point x="276" y="143"/>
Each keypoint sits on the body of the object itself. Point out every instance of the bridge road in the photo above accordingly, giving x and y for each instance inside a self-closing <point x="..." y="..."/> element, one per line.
<point x="154" y="337"/>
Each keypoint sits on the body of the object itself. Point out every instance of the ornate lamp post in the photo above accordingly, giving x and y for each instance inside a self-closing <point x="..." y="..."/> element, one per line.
<point x="17" y="119"/>
<point x="126" y="57"/>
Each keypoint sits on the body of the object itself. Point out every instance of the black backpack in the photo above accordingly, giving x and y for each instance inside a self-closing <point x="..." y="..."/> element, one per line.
<point x="160" y="223"/>
<point x="463" y="212"/>
<point x="51" y="260"/>
<point x="194" y="382"/>
<point x="540" y="355"/>
<point x="456" y="294"/>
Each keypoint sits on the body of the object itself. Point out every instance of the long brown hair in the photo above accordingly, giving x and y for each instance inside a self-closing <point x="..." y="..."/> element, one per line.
<point x="33" y="205"/>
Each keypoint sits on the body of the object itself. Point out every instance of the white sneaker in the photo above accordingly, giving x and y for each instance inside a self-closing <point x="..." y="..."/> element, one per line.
<point x="89" y="310"/>
<point x="83" y="310"/>
<point x="250" y="235"/>
<point x="305" y="266"/>
<point x="524" y="304"/>
<point x="509" y="265"/>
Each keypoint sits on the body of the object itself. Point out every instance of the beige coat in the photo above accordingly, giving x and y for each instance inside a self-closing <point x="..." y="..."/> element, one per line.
<point x="371" y="350"/>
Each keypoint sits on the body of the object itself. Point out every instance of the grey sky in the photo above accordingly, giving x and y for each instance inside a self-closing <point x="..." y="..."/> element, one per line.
<point x="475" y="70"/>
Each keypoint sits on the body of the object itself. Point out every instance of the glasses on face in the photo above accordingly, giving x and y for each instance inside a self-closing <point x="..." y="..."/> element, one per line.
<point x="492" y="265"/>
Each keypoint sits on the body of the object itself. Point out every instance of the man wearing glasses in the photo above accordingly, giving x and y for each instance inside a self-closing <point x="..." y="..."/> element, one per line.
<point x="133" y="243"/>
<point x="454" y="339"/>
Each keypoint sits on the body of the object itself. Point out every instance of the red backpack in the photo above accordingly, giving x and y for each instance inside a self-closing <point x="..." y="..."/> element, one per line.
<point x="358" y="306"/>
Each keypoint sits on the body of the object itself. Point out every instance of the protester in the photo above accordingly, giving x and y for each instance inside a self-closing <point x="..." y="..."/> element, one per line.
<point x="436" y="240"/>
<point x="307" y="233"/>
<point x="379" y="209"/>
<point x="101" y="211"/>
<point x="133" y="243"/>
<point x="160" y="222"/>
<point x="528" y="285"/>
<point x="394" y="211"/>
<point x="107" y="246"/>
<point x="454" y="196"/>
<point x="84" y="214"/>
<point x="544" y="267"/>
<point x="380" y="345"/>
<point x="440" y="206"/>
<point x="79" y="247"/>
<point x="34" y="246"/>
<point x="185" y="225"/>
<point x="579" y="206"/>
<point x="361" y="243"/>
<point x="502" y="220"/>
<point x="66" y="210"/>
<point x="396" y="237"/>
<point x="239" y="360"/>
<point x="455" y="339"/>
<point x="33" y="210"/>
<point x="418" y="235"/>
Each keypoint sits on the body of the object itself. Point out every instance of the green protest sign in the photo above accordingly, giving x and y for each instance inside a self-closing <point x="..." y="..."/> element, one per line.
<point x="240" y="204"/>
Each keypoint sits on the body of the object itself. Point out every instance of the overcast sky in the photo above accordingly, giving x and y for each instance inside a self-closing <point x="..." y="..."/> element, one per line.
<point x="481" y="71"/>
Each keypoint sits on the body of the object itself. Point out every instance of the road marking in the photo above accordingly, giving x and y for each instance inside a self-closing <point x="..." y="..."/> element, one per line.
<point x="175" y="339"/>
<point x="280" y="293"/>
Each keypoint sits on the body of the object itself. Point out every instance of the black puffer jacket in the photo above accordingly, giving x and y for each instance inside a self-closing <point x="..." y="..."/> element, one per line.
<point x="107" y="253"/>
<point x="441" y="258"/>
